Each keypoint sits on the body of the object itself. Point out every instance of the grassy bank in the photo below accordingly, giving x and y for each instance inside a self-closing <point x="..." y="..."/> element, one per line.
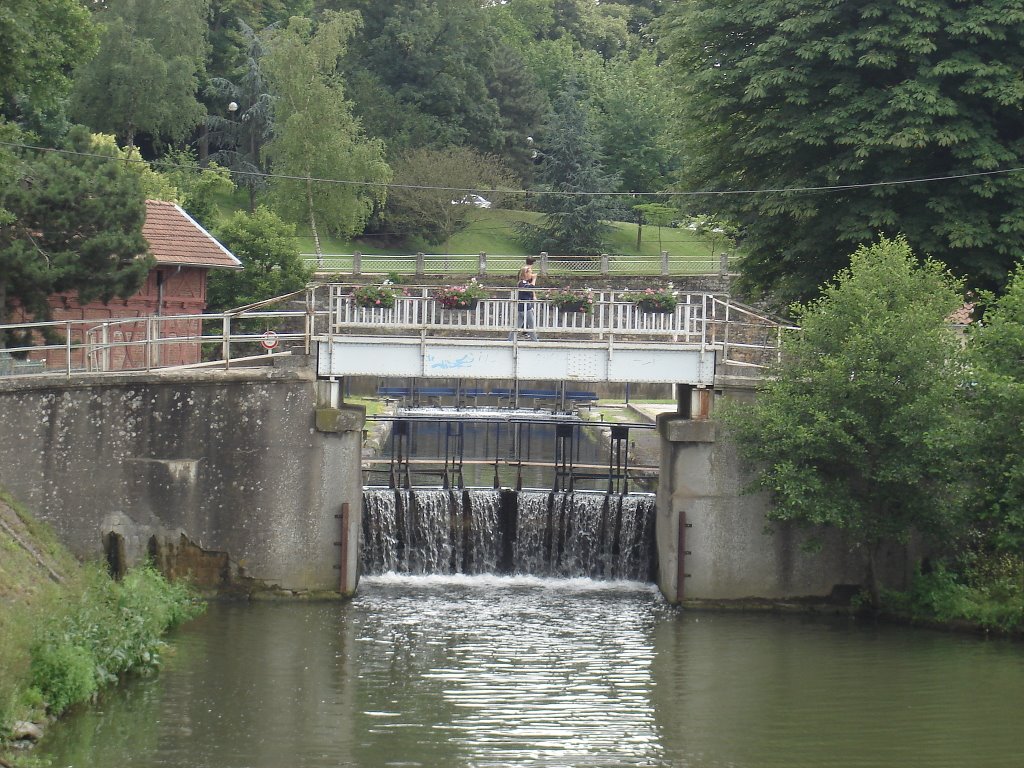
<point x="66" y="629"/>
<point x="493" y="230"/>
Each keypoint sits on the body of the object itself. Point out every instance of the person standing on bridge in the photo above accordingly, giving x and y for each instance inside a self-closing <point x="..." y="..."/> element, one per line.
<point x="526" y="317"/>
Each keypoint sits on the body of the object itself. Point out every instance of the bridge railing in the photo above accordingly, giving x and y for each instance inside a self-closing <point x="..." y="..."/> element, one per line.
<point x="697" y="318"/>
<point x="745" y="338"/>
<point x="72" y="347"/>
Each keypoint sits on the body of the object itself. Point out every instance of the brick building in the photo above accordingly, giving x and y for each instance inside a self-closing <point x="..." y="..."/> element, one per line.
<point x="184" y="253"/>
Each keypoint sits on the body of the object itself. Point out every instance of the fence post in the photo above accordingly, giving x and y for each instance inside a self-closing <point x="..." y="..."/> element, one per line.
<point x="357" y="263"/>
<point x="664" y="263"/>
<point x="106" y="347"/>
<point x="604" y="264"/>
<point x="67" y="349"/>
<point x="543" y="263"/>
<point x="419" y="264"/>
<point x="723" y="264"/>
<point x="225" y="342"/>
<point x="152" y="355"/>
<point x="482" y="263"/>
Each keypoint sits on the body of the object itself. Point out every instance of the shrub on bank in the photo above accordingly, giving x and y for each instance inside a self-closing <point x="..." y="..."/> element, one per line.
<point x="109" y="629"/>
<point x="986" y="591"/>
<point x="65" y="630"/>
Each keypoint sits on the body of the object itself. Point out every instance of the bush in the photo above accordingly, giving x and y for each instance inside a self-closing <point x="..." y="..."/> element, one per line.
<point x="108" y="629"/>
<point x="64" y="673"/>
<point x="988" y="592"/>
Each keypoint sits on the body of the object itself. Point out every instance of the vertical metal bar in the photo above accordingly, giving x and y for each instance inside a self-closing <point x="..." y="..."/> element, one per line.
<point x="681" y="558"/>
<point x="67" y="348"/>
<point x="225" y="343"/>
<point x="343" y="577"/>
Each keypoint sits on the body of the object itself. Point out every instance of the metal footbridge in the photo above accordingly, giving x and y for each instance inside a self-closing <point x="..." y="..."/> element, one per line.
<point x="704" y="335"/>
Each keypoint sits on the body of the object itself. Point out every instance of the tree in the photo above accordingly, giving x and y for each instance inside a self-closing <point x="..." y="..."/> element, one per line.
<point x="855" y="427"/>
<point x="316" y="133"/>
<point x="658" y="214"/>
<point x="145" y="76"/>
<point x="571" y="179"/>
<point x="809" y="94"/>
<point x="42" y="42"/>
<point x="272" y="265"/>
<point x="421" y="72"/>
<point x="429" y="199"/>
<point x="996" y="353"/>
<point x="632" y="120"/>
<point x="76" y="226"/>
<point x="521" y="106"/>
<point x="239" y="138"/>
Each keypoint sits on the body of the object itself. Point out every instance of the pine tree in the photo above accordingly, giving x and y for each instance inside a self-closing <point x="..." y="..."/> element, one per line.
<point x="76" y="225"/>
<point x="571" y="179"/>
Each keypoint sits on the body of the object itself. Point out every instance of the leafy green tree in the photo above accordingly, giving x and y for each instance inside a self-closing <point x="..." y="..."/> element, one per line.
<point x="144" y="79"/>
<point x="421" y="69"/>
<point x="632" y="120"/>
<point x="856" y="427"/>
<point x="42" y="42"/>
<point x="316" y="134"/>
<point x="809" y="94"/>
<point x="196" y="187"/>
<point x="658" y="214"/>
<point x="571" y="179"/>
<point x="272" y="265"/>
<point x="76" y="225"/>
<point x="429" y="199"/>
<point x="996" y="352"/>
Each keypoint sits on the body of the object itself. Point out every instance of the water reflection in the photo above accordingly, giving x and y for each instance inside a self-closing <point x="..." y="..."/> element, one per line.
<point x="490" y="671"/>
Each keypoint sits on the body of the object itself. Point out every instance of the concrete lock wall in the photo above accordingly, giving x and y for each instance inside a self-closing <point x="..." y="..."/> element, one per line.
<point x="731" y="556"/>
<point x="228" y="463"/>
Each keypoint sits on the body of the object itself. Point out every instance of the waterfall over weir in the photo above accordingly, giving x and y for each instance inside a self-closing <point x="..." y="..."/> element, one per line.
<point x="565" y="534"/>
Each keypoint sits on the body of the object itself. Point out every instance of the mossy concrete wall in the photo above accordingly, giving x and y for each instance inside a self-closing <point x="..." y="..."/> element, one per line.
<point x="731" y="551"/>
<point x="232" y="462"/>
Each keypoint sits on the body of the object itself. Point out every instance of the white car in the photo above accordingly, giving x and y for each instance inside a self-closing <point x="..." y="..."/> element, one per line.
<point x="475" y="200"/>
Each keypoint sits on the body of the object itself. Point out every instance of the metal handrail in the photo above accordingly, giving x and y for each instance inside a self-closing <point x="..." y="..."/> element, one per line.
<point x="745" y="338"/>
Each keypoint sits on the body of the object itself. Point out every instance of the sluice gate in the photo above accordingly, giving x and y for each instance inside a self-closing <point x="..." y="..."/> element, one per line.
<point x="509" y="492"/>
<point x="541" y="533"/>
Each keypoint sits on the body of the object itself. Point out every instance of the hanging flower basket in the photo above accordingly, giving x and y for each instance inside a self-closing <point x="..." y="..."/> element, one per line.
<point x="572" y="301"/>
<point x="661" y="301"/>
<point x="376" y="296"/>
<point x="460" y="296"/>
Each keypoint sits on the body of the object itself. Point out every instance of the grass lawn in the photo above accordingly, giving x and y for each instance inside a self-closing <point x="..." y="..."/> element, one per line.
<point x="492" y="230"/>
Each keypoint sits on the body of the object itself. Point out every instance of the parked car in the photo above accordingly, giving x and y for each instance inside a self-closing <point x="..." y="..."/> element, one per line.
<point x="475" y="200"/>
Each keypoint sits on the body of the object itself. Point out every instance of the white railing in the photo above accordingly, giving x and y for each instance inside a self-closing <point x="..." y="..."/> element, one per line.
<point x="419" y="310"/>
<point x="744" y="337"/>
<point x="72" y="347"/>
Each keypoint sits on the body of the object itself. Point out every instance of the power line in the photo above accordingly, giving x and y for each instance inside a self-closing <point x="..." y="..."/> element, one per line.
<point x="425" y="187"/>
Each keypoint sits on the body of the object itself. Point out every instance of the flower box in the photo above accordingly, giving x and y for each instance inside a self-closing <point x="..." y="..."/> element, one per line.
<point x="376" y="296"/>
<point x="571" y="301"/>
<point x="661" y="301"/>
<point x="460" y="296"/>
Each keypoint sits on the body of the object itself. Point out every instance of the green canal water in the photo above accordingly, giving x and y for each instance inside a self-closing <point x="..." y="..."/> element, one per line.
<point x="490" y="671"/>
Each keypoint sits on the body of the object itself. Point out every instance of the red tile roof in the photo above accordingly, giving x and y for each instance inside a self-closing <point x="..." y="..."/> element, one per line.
<point x="175" y="238"/>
